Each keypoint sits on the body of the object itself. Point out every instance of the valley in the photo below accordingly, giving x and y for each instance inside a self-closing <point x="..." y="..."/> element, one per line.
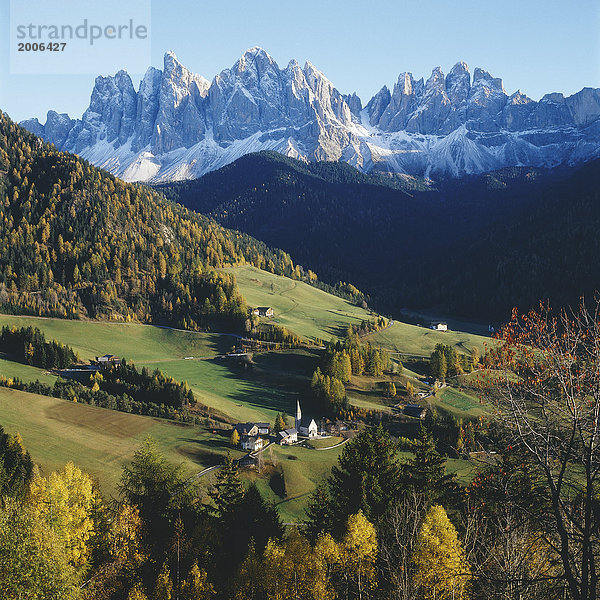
<point x="277" y="379"/>
<point x="261" y="339"/>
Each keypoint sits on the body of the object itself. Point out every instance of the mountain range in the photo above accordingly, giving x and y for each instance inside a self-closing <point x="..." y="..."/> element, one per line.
<point x="178" y="125"/>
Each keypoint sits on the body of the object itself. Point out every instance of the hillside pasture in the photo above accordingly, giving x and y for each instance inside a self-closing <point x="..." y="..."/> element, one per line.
<point x="305" y="310"/>
<point x="100" y="441"/>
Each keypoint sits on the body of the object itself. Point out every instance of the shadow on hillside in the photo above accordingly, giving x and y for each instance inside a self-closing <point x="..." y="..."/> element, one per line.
<point x="264" y="390"/>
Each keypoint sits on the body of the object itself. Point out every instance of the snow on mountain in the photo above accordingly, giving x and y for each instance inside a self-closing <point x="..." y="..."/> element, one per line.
<point x="178" y="125"/>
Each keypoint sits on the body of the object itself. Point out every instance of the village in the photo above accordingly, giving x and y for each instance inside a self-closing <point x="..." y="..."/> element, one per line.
<point x="255" y="437"/>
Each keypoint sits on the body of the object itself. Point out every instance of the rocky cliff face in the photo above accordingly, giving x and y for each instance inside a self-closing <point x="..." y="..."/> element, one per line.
<point x="179" y="125"/>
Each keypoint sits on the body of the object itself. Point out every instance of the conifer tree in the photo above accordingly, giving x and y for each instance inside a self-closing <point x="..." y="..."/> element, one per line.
<point x="438" y="364"/>
<point x="228" y="490"/>
<point x="318" y="513"/>
<point x="279" y="423"/>
<point x="426" y="472"/>
<point x="196" y="586"/>
<point x="163" y="588"/>
<point x="235" y="438"/>
<point x="137" y="593"/>
<point x="159" y="491"/>
<point x="366" y="478"/>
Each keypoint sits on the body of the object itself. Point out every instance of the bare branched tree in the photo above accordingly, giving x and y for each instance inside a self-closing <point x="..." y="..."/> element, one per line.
<point x="510" y="559"/>
<point x="548" y="398"/>
<point x="397" y="536"/>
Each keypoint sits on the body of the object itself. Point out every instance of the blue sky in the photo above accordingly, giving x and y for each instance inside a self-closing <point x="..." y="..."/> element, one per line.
<point x="536" y="46"/>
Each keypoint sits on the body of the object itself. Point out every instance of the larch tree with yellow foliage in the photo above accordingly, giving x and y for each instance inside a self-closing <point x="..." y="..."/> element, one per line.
<point x="441" y="567"/>
<point x="163" y="589"/>
<point x="290" y="569"/>
<point x="65" y="500"/>
<point x="137" y="593"/>
<point x="196" y="586"/>
<point x="358" y="552"/>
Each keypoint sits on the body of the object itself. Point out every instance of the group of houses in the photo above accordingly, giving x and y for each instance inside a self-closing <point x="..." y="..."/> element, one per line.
<point x="255" y="436"/>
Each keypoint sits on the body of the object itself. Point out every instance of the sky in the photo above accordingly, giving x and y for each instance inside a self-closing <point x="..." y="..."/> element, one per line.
<point x="533" y="45"/>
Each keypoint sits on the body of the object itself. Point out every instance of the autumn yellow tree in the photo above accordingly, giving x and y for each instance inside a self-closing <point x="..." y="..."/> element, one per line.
<point x="196" y="586"/>
<point x="441" y="567"/>
<point x="290" y="569"/>
<point x="358" y="552"/>
<point x="33" y="559"/>
<point x="65" y="500"/>
<point x="163" y="589"/>
<point x="235" y="438"/>
<point x="137" y="593"/>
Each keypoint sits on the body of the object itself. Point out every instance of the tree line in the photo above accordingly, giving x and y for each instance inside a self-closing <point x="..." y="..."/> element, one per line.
<point x="446" y="361"/>
<point x="340" y="361"/>
<point x="29" y="345"/>
<point x="143" y="386"/>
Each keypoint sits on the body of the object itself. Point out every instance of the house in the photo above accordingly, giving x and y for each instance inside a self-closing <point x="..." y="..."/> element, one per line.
<point x="253" y="429"/>
<point x="439" y="326"/>
<point x="107" y="360"/>
<point x="252" y="443"/>
<point x="263" y="311"/>
<point x="307" y="427"/>
<point x="287" y="436"/>
<point x="337" y="427"/>
<point x="414" y="410"/>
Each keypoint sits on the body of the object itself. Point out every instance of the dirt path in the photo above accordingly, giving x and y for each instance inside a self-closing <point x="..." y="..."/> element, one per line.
<point x="335" y="446"/>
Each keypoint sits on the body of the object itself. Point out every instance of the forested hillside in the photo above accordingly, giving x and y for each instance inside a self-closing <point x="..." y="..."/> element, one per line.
<point x="406" y="242"/>
<point x="75" y="241"/>
<point x="550" y="251"/>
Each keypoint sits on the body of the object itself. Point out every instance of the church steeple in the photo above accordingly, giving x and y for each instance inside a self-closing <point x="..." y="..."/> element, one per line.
<point x="298" y="415"/>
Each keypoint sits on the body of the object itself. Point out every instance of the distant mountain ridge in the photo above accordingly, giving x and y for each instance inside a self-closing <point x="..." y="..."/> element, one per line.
<point x="178" y="125"/>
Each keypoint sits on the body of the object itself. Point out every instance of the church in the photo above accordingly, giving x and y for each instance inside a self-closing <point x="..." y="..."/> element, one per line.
<point x="306" y="427"/>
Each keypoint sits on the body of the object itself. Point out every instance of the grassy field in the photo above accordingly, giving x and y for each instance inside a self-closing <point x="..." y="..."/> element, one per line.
<point x="140" y="343"/>
<point x="25" y="373"/>
<point x="98" y="440"/>
<point x="215" y="383"/>
<point x="459" y="403"/>
<point x="303" y="469"/>
<point x="312" y="313"/>
<point x="421" y="341"/>
<point x="301" y="308"/>
<point x="240" y="395"/>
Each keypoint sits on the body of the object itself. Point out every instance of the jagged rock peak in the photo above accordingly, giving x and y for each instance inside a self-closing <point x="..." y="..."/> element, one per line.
<point x="179" y="126"/>
<point x="459" y="67"/>
<point x="480" y="75"/>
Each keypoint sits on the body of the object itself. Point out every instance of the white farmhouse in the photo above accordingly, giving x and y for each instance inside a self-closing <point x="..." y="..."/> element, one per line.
<point x="288" y="437"/>
<point x="252" y="443"/>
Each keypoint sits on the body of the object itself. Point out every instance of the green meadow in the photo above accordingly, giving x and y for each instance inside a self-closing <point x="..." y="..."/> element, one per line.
<point x="421" y="341"/>
<point x="102" y="441"/>
<point x="98" y="440"/>
<point x="301" y="308"/>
